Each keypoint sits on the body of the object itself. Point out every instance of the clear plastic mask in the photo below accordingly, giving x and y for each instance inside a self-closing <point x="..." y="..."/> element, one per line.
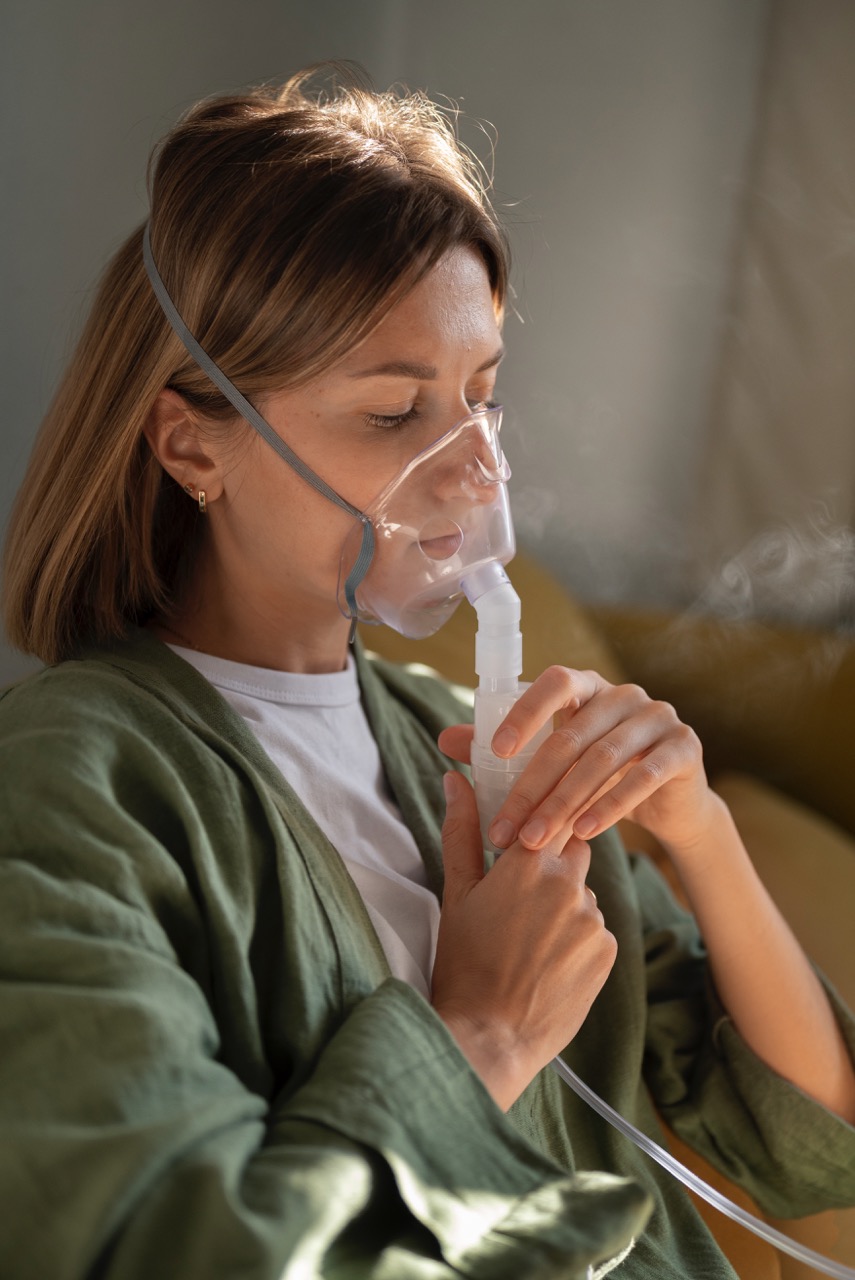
<point x="441" y="519"/>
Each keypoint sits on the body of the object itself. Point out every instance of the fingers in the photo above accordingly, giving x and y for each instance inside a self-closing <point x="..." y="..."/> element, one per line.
<point x="598" y="752"/>
<point x="558" y="689"/>
<point x="456" y="742"/>
<point x="602" y="760"/>
<point x="605" y="729"/>
<point x="645" y="778"/>
<point x="611" y="749"/>
<point x="580" y="853"/>
<point x="462" y="848"/>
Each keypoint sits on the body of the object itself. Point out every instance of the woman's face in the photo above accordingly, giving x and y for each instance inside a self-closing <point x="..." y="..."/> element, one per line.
<point x="275" y="539"/>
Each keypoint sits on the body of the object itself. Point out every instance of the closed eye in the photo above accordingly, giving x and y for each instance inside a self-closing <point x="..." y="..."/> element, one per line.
<point x="393" y="421"/>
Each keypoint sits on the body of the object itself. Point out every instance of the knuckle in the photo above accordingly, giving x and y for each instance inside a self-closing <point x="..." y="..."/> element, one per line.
<point x="571" y="685"/>
<point x="558" y="678"/>
<point x="566" y="739"/>
<point x="687" y="738"/>
<point x="521" y="801"/>
<point x="607" y="752"/>
<point x="636" y="693"/>
<point x="652" y="770"/>
<point x="595" y="912"/>
<point x="606" y="810"/>
<point x="609" y="947"/>
<point x="599" y="943"/>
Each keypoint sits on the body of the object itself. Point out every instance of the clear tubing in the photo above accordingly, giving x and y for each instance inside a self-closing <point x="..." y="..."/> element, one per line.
<point x="778" y="1239"/>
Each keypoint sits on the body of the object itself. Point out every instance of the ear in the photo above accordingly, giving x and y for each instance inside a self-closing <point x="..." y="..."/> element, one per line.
<point x="178" y="441"/>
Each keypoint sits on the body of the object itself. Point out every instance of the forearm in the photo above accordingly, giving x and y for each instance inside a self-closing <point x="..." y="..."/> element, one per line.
<point x="761" y="973"/>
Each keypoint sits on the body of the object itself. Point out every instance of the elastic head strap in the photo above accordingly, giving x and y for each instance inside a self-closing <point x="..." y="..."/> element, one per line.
<point x="264" y="429"/>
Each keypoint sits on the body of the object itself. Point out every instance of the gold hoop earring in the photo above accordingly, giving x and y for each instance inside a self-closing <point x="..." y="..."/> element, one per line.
<point x="203" y="502"/>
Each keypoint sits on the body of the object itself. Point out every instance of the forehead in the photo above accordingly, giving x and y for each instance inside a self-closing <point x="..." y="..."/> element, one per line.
<point x="450" y="311"/>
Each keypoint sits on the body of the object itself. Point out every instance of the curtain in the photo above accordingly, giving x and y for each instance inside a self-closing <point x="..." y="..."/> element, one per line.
<point x="776" y="501"/>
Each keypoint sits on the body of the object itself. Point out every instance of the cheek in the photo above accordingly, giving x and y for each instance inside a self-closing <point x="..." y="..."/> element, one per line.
<point x="266" y="508"/>
<point x="276" y="516"/>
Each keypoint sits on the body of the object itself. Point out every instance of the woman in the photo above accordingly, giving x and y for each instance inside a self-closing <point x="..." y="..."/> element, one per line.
<point x="241" y="1038"/>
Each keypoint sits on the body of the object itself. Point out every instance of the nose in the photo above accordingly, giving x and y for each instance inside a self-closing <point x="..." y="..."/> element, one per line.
<point x="471" y="465"/>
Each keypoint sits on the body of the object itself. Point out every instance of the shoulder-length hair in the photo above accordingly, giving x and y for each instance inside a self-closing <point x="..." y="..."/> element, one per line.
<point x="285" y="223"/>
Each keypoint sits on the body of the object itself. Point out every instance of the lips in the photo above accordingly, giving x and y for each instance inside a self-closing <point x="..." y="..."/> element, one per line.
<point x="443" y="547"/>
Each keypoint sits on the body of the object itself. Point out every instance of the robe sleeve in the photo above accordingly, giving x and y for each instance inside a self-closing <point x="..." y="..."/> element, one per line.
<point x="790" y="1153"/>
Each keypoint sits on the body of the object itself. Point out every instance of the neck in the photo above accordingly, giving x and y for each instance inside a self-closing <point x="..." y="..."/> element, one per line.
<point x="304" y="636"/>
<point x="309" y="656"/>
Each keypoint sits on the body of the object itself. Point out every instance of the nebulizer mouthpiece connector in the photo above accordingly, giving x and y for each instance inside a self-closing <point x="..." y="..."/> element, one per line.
<point x="498" y="663"/>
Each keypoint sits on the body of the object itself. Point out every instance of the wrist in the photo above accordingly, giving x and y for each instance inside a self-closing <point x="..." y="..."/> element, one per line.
<point x="494" y="1054"/>
<point x="715" y="865"/>
<point x="692" y="845"/>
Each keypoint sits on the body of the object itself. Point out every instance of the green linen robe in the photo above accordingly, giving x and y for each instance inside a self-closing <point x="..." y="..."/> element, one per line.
<point x="206" y="1069"/>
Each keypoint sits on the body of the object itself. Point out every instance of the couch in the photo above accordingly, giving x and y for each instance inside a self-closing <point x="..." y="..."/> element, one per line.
<point x="773" y="709"/>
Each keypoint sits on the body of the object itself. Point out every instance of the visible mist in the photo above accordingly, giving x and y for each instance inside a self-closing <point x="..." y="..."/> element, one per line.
<point x="799" y="575"/>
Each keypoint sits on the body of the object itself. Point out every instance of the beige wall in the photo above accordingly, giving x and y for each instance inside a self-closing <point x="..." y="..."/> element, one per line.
<point x="623" y="132"/>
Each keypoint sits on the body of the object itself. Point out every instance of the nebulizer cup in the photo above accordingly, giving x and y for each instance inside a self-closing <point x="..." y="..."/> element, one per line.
<point x="498" y="664"/>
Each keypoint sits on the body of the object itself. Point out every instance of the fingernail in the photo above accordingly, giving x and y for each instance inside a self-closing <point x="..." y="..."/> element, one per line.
<point x="449" y="785"/>
<point x="533" y="832"/>
<point x="504" y="741"/>
<point x="502" y="833"/>
<point x="585" y="826"/>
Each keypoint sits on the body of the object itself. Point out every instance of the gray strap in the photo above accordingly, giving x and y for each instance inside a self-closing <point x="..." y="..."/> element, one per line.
<point x="264" y="429"/>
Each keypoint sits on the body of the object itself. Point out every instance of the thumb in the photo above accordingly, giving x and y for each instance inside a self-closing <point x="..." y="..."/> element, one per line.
<point x="462" y="849"/>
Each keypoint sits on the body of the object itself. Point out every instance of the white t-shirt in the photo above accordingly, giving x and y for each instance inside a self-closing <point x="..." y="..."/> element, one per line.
<point x="315" y="731"/>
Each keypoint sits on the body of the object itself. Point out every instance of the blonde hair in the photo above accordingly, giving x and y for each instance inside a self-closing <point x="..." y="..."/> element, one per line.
<point x="284" y="223"/>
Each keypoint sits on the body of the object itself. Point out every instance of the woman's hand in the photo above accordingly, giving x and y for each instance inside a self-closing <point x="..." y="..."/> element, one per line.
<point x="613" y="753"/>
<point x="522" y="951"/>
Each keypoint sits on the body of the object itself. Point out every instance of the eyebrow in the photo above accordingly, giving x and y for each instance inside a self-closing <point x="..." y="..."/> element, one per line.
<point x="418" y="372"/>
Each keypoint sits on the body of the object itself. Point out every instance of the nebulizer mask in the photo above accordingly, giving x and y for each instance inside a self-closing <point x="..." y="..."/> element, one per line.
<point x="442" y="529"/>
<point x="443" y="518"/>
